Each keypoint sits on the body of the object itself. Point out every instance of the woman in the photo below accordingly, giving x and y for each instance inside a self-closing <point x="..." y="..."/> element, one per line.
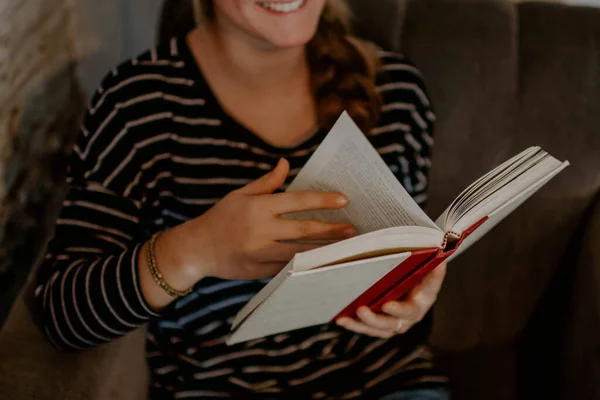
<point x="172" y="218"/>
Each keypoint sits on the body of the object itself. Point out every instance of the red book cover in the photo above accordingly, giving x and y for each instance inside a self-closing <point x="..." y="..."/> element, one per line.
<point x="386" y="283"/>
<point x="405" y="276"/>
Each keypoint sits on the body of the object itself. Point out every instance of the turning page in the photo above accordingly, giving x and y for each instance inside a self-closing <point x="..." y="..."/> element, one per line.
<point x="346" y="162"/>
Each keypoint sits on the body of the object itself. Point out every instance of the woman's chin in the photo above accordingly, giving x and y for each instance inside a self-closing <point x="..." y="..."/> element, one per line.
<point x="293" y="40"/>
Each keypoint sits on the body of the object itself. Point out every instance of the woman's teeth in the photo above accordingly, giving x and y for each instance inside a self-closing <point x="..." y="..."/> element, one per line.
<point x="283" y="7"/>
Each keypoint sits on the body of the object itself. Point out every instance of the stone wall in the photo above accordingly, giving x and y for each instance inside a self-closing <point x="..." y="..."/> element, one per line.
<point x="40" y="105"/>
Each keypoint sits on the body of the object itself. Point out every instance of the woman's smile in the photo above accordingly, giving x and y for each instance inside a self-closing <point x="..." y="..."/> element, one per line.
<point x="282" y="7"/>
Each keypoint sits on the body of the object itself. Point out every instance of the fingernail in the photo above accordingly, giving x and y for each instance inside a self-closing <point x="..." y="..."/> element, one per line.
<point x="341" y="322"/>
<point x="342" y="200"/>
<point x="399" y="326"/>
<point x="349" y="232"/>
<point x="390" y="307"/>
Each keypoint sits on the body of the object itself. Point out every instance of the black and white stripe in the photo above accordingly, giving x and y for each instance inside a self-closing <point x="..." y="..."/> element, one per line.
<point x="155" y="150"/>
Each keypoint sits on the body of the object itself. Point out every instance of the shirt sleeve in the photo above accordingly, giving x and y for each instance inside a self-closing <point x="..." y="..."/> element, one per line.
<point x="407" y="107"/>
<point x="88" y="291"/>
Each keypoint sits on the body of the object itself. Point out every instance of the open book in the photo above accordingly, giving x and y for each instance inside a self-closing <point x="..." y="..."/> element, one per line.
<point x="397" y="243"/>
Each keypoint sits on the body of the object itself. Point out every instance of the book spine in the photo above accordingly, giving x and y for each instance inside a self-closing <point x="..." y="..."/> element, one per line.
<point x="410" y="281"/>
<point x="390" y="280"/>
<point x="407" y="275"/>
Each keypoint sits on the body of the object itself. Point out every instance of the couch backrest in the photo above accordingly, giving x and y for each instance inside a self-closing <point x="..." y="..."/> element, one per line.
<point x="502" y="77"/>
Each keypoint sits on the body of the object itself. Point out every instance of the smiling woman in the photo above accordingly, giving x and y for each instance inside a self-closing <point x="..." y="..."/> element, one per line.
<point x="286" y="24"/>
<point x="282" y="7"/>
<point x="176" y="188"/>
<point x="338" y="69"/>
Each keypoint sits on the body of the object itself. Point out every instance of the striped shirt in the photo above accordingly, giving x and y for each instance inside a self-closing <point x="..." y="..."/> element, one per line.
<point x="155" y="150"/>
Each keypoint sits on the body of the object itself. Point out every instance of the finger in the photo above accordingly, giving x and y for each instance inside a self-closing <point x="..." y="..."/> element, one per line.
<point x="420" y="298"/>
<point x="269" y="182"/>
<point x="405" y="310"/>
<point x="362" y="328"/>
<point x="379" y="321"/>
<point x="284" y="252"/>
<point x="432" y="282"/>
<point x="315" y="230"/>
<point x="283" y="203"/>
<point x="425" y="293"/>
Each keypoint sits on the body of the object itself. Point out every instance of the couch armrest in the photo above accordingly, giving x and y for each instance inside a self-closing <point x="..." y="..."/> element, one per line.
<point x="580" y="361"/>
<point x="30" y="368"/>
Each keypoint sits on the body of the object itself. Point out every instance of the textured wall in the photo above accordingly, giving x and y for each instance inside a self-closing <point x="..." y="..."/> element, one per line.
<point x="39" y="110"/>
<point x="34" y="45"/>
<point x="53" y="54"/>
<point x="109" y="32"/>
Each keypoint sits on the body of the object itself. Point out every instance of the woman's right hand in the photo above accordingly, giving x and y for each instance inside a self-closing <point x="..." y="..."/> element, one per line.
<point x="241" y="236"/>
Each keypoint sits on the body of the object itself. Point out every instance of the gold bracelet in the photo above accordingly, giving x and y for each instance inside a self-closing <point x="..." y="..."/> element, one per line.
<point x="158" y="278"/>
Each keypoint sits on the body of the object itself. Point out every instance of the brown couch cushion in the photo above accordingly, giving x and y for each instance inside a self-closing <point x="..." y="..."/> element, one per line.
<point x="580" y="352"/>
<point x="30" y="368"/>
<point x="503" y="77"/>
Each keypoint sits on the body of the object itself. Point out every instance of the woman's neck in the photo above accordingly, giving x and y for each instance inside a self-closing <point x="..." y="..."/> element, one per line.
<point x="251" y="62"/>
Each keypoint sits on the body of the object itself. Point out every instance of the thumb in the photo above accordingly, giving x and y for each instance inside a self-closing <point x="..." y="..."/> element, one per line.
<point x="269" y="182"/>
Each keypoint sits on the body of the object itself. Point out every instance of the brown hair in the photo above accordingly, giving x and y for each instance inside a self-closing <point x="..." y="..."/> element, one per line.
<point x="342" y="67"/>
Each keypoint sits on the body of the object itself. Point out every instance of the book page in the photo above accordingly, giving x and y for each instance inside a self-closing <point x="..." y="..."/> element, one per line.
<point x="313" y="297"/>
<point x="501" y="181"/>
<point x="386" y="241"/>
<point x="520" y="182"/>
<point x="346" y="162"/>
<point x="481" y="183"/>
<point x="263" y="294"/>
<point x="512" y="198"/>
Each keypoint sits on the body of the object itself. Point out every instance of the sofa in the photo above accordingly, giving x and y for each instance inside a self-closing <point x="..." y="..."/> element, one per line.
<point x="518" y="316"/>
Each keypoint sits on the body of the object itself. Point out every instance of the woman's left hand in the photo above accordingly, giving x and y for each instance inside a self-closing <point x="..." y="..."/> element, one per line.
<point x="398" y="316"/>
